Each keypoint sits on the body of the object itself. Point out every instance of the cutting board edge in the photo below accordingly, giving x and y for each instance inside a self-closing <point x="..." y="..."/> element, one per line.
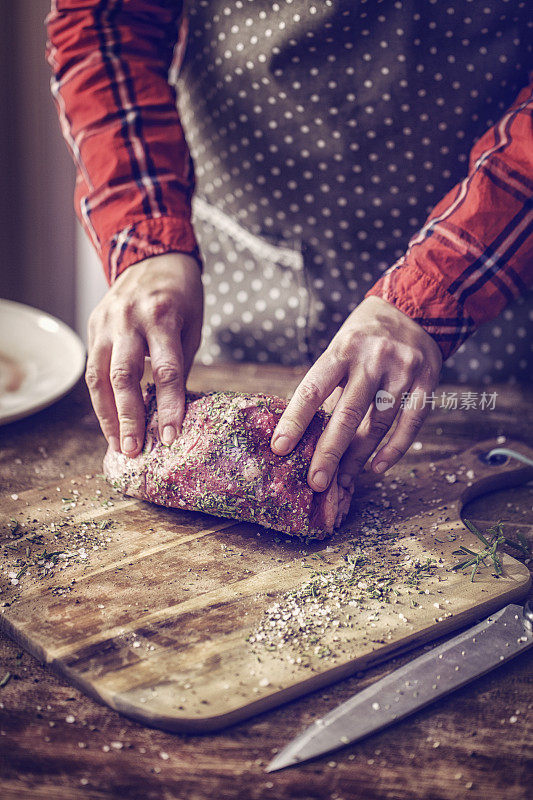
<point x="235" y="715"/>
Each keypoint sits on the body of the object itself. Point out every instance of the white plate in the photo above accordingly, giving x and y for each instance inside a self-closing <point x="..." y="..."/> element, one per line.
<point x="47" y="355"/>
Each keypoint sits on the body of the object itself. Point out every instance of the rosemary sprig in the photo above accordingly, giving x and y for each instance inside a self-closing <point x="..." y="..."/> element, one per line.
<point x="522" y="546"/>
<point x="493" y="539"/>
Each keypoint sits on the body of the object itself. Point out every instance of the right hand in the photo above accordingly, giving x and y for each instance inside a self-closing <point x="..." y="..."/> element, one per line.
<point x="154" y="308"/>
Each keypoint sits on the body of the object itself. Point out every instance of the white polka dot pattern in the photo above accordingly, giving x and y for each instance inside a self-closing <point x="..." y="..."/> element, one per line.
<point x="332" y="130"/>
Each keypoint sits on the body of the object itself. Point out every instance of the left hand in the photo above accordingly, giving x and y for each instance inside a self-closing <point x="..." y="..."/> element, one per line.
<point x="377" y="347"/>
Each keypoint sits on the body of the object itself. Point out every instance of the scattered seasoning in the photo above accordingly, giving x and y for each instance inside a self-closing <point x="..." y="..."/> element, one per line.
<point x="40" y="551"/>
<point x="307" y="623"/>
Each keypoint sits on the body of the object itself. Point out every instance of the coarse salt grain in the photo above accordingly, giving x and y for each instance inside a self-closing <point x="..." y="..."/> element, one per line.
<point x="70" y="718"/>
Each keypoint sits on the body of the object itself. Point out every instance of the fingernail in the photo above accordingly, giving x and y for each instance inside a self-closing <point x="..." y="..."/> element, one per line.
<point x="114" y="444"/>
<point x="381" y="467"/>
<point x="345" y="480"/>
<point x="281" y="444"/>
<point x="321" y="479"/>
<point x="129" y="444"/>
<point x="168" y="435"/>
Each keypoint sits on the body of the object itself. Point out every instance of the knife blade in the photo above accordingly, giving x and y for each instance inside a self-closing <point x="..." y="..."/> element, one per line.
<point x="434" y="674"/>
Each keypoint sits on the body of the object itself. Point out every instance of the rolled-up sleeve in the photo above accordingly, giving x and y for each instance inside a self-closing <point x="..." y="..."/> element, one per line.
<point x="117" y="110"/>
<point x="474" y="254"/>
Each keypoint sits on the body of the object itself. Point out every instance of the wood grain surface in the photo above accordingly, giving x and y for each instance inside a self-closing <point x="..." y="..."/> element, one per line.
<point x="151" y="610"/>
<point x="461" y="747"/>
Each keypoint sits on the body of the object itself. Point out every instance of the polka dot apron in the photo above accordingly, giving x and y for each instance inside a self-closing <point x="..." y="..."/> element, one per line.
<point x="322" y="136"/>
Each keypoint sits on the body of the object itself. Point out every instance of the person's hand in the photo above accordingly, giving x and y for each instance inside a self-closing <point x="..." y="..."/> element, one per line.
<point x="154" y="308"/>
<point x="377" y="348"/>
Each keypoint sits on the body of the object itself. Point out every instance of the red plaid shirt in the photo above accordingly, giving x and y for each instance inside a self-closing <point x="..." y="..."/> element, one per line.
<point x="135" y="180"/>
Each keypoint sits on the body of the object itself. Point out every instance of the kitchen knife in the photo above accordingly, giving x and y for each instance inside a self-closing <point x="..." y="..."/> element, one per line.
<point x="442" y="670"/>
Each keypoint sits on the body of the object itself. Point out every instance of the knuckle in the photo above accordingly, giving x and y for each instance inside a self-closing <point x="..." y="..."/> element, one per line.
<point x="383" y="348"/>
<point x="349" y="418"/>
<point x="161" y="310"/>
<point x="412" y="358"/>
<point x="109" y="426"/>
<point x="122" y="377"/>
<point x="344" y="349"/>
<point x="166" y="374"/>
<point x="378" y="428"/>
<point x="159" y="306"/>
<point x="94" y="378"/>
<point x="309" y="392"/>
<point x="393" y="452"/>
<point x="331" y="454"/>
<point x="128" y="423"/>
<point x="292" y="427"/>
<point x="415" y="421"/>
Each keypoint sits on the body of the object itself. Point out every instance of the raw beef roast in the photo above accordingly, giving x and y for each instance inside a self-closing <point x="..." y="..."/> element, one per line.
<point x="221" y="463"/>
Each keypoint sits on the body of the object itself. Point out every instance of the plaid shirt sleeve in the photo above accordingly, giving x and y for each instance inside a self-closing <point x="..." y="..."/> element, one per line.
<point x="474" y="255"/>
<point x="110" y="62"/>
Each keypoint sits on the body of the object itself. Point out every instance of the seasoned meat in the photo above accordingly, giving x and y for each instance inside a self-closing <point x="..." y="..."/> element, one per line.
<point x="221" y="463"/>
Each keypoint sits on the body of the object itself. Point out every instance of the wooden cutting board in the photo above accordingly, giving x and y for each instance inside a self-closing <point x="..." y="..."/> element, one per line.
<point x="174" y="618"/>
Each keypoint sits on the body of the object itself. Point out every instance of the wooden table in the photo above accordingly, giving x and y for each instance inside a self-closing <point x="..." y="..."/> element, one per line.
<point x="57" y="743"/>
